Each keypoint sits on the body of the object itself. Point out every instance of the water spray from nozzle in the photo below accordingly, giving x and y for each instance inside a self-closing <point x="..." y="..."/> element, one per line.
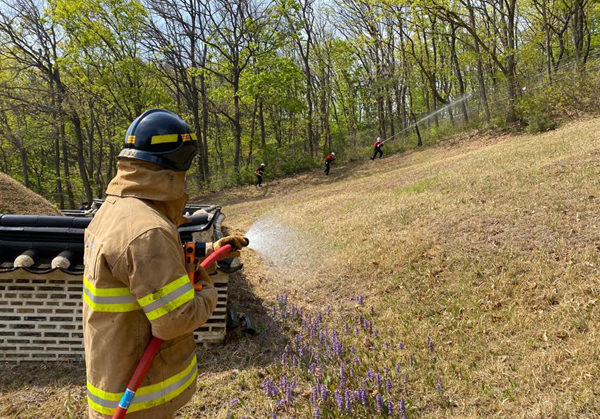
<point x="281" y="244"/>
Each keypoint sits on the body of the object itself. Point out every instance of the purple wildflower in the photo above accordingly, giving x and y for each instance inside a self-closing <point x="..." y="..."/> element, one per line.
<point x="342" y="376"/>
<point x="339" y="400"/>
<point x="317" y="414"/>
<point x="400" y="345"/>
<point x="398" y="368"/>
<point x="295" y="361"/>
<point x="360" y="299"/>
<point x="412" y="360"/>
<point x="348" y="398"/>
<point x="370" y="374"/>
<point x="280" y="404"/>
<point x="430" y="344"/>
<point x="356" y="361"/>
<point x="378" y="380"/>
<point x="234" y="401"/>
<point x="403" y="409"/>
<point x="372" y="310"/>
<point x="323" y="393"/>
<point x="388" y="385"/>
<point x="438" y="386"/>
<point x="390" y="409"/>
<point x="379" y="401"/>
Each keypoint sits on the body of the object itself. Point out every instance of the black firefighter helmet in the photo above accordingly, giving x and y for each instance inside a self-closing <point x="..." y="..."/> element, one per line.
<point x="161" y="137"/>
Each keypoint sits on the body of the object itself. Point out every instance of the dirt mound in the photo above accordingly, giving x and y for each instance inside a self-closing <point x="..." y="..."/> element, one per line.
<point x="17" y="199"/>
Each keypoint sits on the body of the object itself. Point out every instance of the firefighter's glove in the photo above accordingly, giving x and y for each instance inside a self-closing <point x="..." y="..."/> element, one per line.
<point x="236" y="242"/>
<point x="202" y="276"/>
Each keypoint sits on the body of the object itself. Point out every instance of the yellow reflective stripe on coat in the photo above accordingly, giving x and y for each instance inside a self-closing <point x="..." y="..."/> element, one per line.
<point x="167" y="298"/>
<point x="161" y="139"/>
<point x="114" y="300"/>
<point x="146" y="397"/>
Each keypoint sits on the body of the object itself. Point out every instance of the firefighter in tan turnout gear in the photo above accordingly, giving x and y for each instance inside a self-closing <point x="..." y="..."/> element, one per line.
<point x="136" y="284"/>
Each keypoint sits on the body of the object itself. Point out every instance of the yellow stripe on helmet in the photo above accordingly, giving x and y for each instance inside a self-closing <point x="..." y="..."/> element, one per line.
<point x="161" y="139"/>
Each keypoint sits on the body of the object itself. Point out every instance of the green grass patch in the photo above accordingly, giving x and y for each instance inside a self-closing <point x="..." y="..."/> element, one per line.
<point x="418" y="187"/>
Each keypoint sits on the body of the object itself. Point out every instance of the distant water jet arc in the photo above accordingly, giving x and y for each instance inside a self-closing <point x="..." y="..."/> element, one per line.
<point x="425" y="118"/>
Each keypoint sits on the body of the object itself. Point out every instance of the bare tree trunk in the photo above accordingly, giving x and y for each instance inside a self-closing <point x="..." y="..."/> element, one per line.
<point x="80" y="158"/>
<point x="261" y="119"/>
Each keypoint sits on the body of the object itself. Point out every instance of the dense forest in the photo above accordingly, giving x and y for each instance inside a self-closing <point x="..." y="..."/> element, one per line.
<point x="275" y="81"/>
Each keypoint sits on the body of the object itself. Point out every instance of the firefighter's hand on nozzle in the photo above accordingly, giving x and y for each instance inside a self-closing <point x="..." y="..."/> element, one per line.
<point x="236" y="242"/>
<point x="202" y="275"/>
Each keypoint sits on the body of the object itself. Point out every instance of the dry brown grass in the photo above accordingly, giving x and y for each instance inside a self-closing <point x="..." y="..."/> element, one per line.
<point x="487" y="245"/>
<point x="17" y="199"/>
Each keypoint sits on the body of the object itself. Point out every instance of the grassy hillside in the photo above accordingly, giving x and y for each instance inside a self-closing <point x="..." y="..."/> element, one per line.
<point x="17" y="199"/>
<point x="466" y="274"/>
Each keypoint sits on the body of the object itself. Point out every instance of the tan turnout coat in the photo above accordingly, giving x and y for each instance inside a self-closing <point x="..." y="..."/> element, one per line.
<point x="136" y="286"/>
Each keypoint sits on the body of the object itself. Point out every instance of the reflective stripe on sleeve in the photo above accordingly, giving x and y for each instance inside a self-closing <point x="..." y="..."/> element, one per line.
<point x="146" y="397"/>
<point x="168" y="298"/>
<point x="115" y="300"/>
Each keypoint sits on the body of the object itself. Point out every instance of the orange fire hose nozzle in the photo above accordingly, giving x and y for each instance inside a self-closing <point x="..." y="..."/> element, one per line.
<point x="155" y="342"/>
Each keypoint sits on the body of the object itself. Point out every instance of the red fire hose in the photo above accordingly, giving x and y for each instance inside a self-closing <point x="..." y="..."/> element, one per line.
<point x="152" y="348"/>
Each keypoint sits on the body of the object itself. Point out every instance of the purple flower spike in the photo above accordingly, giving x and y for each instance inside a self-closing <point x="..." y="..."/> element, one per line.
<point x="348" y="398"/>
<point x="403" y="409"/>
<point x="390" y="407"/>
<point x="412" y="360"/>
<point x="430" y="344"/>
<point x="400" y="345"/>
<point x="397" y="368"/>
<point x="388" y="385"/>
<point x="438" y="386"/>
<point x="372" y="310"/>
<point x="365" y="397"/>
<point x="378" y="380"/>
<point x="356" y="361"/>
<point x="280" y="404"/>
<point x="317" y="414"/>
<point x="234" y="401"/>
<point x="342" y="376"/>
<point x="339" y="400"/>
<point x="360" y="299"/>
<point x="323" y="393"/>
<point x="379" y="401"/>
<point x="314" y="395"/>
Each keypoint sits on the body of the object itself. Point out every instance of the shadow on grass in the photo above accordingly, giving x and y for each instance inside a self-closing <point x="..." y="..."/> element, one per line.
<point x="240" y="350"/>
